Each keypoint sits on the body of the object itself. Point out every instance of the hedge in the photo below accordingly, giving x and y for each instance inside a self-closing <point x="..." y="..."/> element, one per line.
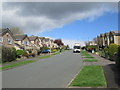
<point x="8" y="54"/>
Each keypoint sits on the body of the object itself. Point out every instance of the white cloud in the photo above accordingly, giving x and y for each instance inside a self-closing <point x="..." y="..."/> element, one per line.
<point x="34" y="18"/>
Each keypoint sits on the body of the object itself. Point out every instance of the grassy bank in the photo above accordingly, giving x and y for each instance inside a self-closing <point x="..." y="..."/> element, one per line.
<point x="26" y="62"/>
<point x="90" y="76"/>
<point x="90" y="60"/>
<point x="16" y="64"/>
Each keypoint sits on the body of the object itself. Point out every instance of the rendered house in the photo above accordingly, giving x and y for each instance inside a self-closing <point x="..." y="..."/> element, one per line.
<point x="6" y="38"/>
<point x="22" y="42"/>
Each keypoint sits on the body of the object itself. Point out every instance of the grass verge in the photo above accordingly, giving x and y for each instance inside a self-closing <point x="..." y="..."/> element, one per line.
<point x="90" y="76"/>
<point x="16" y="64"/>
<point x="90" y="60"/>
<point x="88" y="57"/>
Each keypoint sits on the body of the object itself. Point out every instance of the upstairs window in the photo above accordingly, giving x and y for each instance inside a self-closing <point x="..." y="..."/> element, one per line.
<point x="27" y="43"/>
<point x="22" y="42"/>
<point x="1" y="39"/>
<point x="9" y="41"/>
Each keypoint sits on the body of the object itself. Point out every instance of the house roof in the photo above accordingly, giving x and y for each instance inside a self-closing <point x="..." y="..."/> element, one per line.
<point x="6" y="30"/>
<point x="117" y="32"/>
<point x="32" y="38"/>
<point x="20" y="37"/>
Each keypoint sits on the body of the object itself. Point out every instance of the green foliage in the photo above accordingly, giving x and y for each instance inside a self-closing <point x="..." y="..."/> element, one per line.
<point x="54" y="50"/>
<point x="113" y="48"/>
<point x="44" y="48"/>
<point x="8" y="54"/>
<point x="19" y="52"/>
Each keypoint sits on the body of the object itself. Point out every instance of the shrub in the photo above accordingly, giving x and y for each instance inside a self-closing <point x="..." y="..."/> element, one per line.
<point x="54" y="50"/>
<point x="19" y="52"/>
<point x="113" y="48"/>
<point x="25" y="54"/>
<point x="106" y="54"/>
<point x="44" y="48"/>
<point x="8" y="54"/>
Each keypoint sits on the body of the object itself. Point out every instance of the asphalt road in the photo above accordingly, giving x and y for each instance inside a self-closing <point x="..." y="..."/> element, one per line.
<point x="54" y="72"/>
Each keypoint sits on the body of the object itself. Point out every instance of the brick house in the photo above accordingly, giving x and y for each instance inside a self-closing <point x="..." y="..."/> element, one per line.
<point x="6" y="38"/>
<point x="114" y="37"/>
<point x="35" y="41"/>
<point x="22" y="42"/>
<point x="106" y="39"/>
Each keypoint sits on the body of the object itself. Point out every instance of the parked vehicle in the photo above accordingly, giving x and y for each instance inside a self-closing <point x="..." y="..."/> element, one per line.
<point x="46" y="51"/>
<point x="76" y="48"/>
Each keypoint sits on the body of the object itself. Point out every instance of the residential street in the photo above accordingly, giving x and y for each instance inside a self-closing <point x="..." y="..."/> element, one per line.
<point x="54" y="72"/>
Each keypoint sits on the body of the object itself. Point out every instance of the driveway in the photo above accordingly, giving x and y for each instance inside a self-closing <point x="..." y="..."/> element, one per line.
<point x="54" y="72"/>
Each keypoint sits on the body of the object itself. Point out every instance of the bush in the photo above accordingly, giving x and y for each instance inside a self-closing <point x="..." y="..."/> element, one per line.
<point x="117" y="60"/>
<point x="25" y="54"/>
<point x="19" y="52"/>
<point x="44" y="48"/>
<point x="106" y="54"/>
<point x="54" y="50"/>
<point x="113" y="48"/>
<point x="8" y="54"/>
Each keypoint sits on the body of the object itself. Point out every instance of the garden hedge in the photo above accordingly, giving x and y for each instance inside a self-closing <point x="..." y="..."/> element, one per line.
<point x="8" y="54"/>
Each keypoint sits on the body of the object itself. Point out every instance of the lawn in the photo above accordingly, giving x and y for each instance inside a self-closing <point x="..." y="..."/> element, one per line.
<point x="88" y="57"/>
<point x="43" y="57"/>
<point x="16" y="64"/>
<point x="90" y="60"/>
<point x="90" y="76"/>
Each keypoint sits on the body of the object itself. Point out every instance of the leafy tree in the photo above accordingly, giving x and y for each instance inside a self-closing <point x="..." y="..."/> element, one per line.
<point x="16" y="30"/>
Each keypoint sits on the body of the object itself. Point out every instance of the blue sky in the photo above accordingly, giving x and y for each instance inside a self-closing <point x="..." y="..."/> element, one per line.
<point x="74" y="22"/>
<point x="85" y="29"/>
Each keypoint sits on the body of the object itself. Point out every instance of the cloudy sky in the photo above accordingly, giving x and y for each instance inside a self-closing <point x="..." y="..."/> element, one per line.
<point x="70" y="21"/>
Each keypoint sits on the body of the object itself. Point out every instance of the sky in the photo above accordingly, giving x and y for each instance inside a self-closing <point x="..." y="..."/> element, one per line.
<point x="73" y="22"/>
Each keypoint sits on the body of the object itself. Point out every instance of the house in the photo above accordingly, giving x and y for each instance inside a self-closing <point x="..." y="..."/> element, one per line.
<point x="47" y="42"/>
<point x="114" y="37"/>
<point x="35" y="42"/>
<point x="106" y="39"/>
<point x="43" y="43"/>
<point x="102" y="41"/>
<point x="6" y="38"/>
<point x="22" y="42"/>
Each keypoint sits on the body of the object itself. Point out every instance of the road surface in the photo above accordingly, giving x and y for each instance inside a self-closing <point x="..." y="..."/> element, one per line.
<point x="54" y="72"/>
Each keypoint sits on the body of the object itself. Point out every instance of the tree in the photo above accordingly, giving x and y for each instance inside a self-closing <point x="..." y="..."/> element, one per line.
<point x="16" y="30"/>
<point x="59" y="42"/>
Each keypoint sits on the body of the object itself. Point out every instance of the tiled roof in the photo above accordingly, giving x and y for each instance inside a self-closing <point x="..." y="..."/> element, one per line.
<point x="20" y="37"/>
<point x="32" y="38"/>
<point x="6" y="30"/>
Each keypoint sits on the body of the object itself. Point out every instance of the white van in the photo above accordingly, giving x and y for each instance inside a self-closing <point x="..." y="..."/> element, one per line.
<point x="76" y="48"/>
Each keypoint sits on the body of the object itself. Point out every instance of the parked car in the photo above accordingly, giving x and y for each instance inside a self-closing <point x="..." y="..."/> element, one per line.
<point x="46" y="51"/>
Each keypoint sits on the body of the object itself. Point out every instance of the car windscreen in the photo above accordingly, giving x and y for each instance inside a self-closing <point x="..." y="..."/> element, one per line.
<point x="76" y="47"/>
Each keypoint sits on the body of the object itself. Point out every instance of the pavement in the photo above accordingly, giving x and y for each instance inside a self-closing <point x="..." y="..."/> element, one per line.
<point x="54" y="72"/>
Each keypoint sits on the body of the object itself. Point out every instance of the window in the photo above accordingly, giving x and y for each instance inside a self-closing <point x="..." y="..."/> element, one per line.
<point x="1" y="39"/>
<point x="22" y="42"/>
<point x="27" y="43"/>
<point x="9" y="41"/>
